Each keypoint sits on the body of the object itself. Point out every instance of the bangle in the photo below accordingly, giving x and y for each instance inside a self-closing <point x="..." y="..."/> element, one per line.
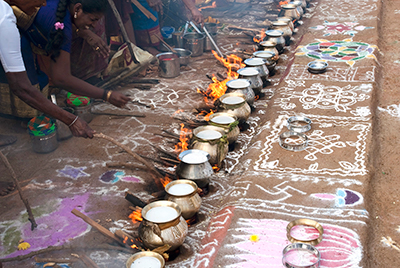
<point x="108" y="95"/>
<point x="305" y="222"/>
<point x="294" y="124"/>
<point x="73" y="122"/>
<point x="104" y="97"/>
<point x="313" y="261"/>
<point x="293" y="147"/>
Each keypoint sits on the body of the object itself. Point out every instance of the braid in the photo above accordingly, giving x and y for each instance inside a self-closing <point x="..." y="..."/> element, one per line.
<point x="54" y="44"/>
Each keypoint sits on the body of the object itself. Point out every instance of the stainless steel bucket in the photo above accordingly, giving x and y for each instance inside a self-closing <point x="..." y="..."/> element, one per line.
<point x="44" y="144"/>
<point x="168" y="65"/>
<point x="84" y="112"/>
<point x="195" y="43"/>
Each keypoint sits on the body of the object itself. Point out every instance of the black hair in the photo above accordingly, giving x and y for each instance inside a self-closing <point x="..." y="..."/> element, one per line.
<point x="56" y="37"/>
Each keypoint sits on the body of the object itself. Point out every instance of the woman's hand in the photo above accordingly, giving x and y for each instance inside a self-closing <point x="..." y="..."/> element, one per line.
<point x="156" y="5"/>
<point x="81" y="129"/>
<point x="118" y="99"/>
<point x="95" y="41"/>
<point x="197" y="16"/>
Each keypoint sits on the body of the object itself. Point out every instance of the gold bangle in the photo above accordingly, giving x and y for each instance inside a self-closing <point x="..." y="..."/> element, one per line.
<point x="306" y="222"/>
<point x="108" y="95"/>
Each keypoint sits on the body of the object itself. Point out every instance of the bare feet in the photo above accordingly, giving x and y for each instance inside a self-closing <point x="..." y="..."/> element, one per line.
<point x="6" y="188"/>
<point x="7" y="140"/>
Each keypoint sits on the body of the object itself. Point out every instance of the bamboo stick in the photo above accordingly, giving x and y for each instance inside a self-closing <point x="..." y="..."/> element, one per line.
<point x="31" y="218"/>
<point x="147" y="13"/>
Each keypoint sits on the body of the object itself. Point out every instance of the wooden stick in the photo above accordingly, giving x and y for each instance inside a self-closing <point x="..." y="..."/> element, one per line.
<point x="66" y="247"/>
<point x="163" y="151"/>
<point x="147" y="13"/>
<point x="166" y="44"/>
<point x="128" y="240"/>
<point x="129" y="151"/>
<point x="134" y="115"/>
<point x="123" y="30"/>
<point x="170" y="160"/>
<point x="97" y="226"/>
<point x="134" y="200"/>
<point x="39" y="260"/>
<point x="31" y="218"/>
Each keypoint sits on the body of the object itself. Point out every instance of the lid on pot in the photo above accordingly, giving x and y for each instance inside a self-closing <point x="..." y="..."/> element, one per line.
<point x="161" y="211"/>
<point x="194" y="156"/>
<point x="263" y="54"/>
<point x="274" y="33"/>
<point x="238" y="83"/>
<point x="181" y="187"/>
<point x="248" y="71"/>
<point x="254" y="62"/>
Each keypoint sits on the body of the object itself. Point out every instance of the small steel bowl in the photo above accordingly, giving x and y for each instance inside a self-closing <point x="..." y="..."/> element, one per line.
<point x="184" y="55"/>
<point x="317" y="67"/>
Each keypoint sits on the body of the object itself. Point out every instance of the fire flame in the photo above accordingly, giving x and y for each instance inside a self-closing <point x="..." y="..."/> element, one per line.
<point x="183" y="140"/>
<point x="165" y="181"/>
<point x="178" y="112"/>
<point x="260" y="37"/>
<point x="205" y="114"/>
<point x="136" y="216"/>
<point x="218" y="88"/>
<point x="215" y="167"/>
<point x="283" y="3"/>
<point x="213" y="5"/>
<point x="133" y="245"/>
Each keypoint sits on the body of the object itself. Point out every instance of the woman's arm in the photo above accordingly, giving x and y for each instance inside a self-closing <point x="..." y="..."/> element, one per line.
<point x="60" y="74"/>
<point x="21" y="87"/>
<point x="196" y="15"/>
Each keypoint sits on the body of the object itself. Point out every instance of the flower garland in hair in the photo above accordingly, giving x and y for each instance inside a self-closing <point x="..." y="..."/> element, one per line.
<point x="59" y="25"/>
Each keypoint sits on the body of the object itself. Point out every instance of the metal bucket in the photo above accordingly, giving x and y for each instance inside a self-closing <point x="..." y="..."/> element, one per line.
<point x="208" y="46"/>
<point x="168" y="65"/>
<point x="84" y="112"/>
<point x="195" y="43"/>
<point x="44" y="144"/>
<point x="177" y="39"/>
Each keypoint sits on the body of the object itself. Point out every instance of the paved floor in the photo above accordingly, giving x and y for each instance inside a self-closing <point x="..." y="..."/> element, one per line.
<point x="345" y="179"/>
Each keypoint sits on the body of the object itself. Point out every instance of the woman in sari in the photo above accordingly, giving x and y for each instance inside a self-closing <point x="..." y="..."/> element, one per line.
<point x="49" y="38"/>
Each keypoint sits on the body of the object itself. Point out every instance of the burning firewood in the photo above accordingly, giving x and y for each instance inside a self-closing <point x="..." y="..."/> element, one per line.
<point x="134" y="200"/>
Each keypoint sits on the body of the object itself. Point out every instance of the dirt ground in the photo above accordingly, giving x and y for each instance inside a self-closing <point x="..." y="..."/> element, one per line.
<point x="345" y="179"/>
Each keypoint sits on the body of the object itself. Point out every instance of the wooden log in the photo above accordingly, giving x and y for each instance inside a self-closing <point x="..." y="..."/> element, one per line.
<point x="31" y="218"/>
<point x="97" y="226"/>
<point x="144" y="80"/>
<point x="134" y="200"/>
<point x="88" y="261"/>
<point x="170" y="160"/>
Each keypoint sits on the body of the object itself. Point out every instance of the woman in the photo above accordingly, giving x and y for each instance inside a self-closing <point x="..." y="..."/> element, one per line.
<point x="50" y="37"/>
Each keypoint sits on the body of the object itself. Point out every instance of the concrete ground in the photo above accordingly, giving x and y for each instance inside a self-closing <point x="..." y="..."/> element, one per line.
<point x="345" y="179"/>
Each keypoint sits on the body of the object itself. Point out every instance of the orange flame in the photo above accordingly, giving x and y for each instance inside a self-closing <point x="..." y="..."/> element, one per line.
<point x="215" y="167"/>
<point x="218" y="88"/>
<point x="283" y="3"/>
<point x="213" y="5"/>
<point x="136" y="216"/>
<point x="183" y="140"/>
<point x="260" y="37"/>
<point x="165" y="181"/>
<point x="133" y="244"/>
<point x="178" y="112"/>
<point x="206" y="116"/>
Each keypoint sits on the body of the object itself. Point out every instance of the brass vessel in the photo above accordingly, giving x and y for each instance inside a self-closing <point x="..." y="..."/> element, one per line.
<point x="189" y="203"/>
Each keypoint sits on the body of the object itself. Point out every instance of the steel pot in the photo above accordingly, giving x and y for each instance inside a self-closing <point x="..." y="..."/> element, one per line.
<point x="228" y="122"/>
<point x="289" y="11"/>
<point x="211" y="27"/>
<point x="84" y="112"/>
<point x="299" y="7"/>
<point x="235" y="104"/>
<point x="195" y="43"/>
<point x="208" y="46"/>
<point x="270" y="47"/>
<point x="189" y="202"/>
<point x="241" y="86"/>
<point x="168" y="65"/>
<point x="142" y="254"/>
<point x="184" y="56"/>
<point x="252" y="75"/>
<point x="177" y="39"/>
<point x="289" y="20"/>
<point x="196" y="167"/>
<point x="216" y="146"/>
<point x="268" y="57"/>
<point x="259" y="64"/>
<point x="156" y="234"/>
<point x="277" y="37"/>
<point x="284" y="27"/>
